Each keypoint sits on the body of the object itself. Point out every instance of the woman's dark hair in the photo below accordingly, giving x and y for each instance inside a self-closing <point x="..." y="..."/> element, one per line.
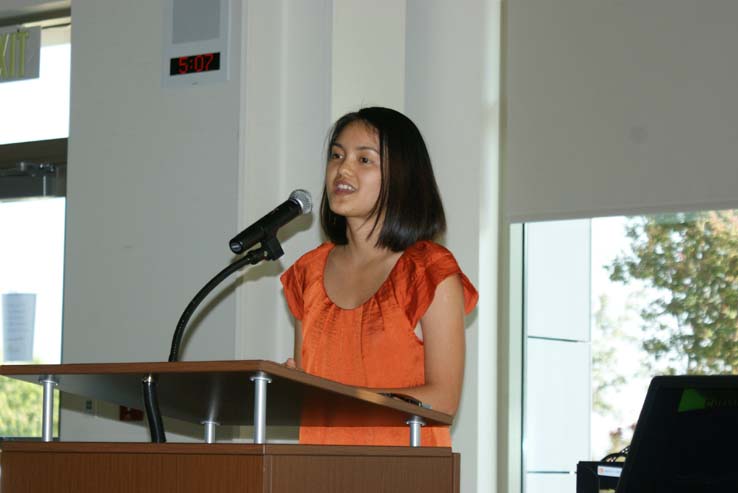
<point x="408" y="196"/>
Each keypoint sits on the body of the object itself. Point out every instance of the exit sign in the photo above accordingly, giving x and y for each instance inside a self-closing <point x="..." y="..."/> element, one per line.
<point x="20" y="53"/>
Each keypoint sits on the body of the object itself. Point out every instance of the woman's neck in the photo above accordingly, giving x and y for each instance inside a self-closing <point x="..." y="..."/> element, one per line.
<point x="361" y="244"/>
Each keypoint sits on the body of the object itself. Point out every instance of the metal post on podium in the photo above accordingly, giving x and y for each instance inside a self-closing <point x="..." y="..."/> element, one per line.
<point x="416" y="423"/>
<point x="260" y="380"/>
<point x="47" y="425"/>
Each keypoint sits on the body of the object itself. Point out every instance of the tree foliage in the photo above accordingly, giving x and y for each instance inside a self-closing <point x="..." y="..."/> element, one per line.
<point x="21" y="408"/>
<point x="692" y="260"/>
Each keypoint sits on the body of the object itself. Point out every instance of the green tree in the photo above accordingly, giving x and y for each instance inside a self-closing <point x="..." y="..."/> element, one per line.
<point x="21" y="408"/>
<point x="691" y="259"/>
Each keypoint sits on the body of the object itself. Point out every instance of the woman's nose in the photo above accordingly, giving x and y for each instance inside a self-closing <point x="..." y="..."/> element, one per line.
<point x="344" y="167"/>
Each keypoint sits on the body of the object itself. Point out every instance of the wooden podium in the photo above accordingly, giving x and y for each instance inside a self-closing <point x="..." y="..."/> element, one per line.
<point x="224" y="393"/>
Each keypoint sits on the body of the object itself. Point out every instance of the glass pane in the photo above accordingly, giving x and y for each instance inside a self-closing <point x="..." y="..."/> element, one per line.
<point x="32" y="246"/>
<point x="31" y="276"/>
<point x="557" y="352"/>
<point x="619" y="379"/>
<point x="665" y="292"/>
<point x="663" y="299"/>
<point x="38" y="109"/>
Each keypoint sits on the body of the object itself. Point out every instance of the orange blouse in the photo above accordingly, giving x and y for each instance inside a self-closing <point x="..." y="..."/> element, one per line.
<point x="373" y="345"/>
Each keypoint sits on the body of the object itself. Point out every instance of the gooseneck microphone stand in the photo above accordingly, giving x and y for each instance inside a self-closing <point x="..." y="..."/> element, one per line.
<point x="270" y="249"/>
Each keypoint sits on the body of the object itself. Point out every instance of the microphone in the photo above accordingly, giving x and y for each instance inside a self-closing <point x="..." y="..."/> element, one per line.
<point x="299" y="202"/>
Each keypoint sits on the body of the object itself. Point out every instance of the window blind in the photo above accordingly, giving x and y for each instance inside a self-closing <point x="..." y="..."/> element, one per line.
<point x="623" y="107"/>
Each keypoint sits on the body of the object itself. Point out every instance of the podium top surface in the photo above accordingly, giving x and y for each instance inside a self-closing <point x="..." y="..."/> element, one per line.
<point x="222" y="391"/>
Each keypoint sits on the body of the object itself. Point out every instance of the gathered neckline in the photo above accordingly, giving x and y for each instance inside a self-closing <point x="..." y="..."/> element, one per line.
<point x="331" y="246"/>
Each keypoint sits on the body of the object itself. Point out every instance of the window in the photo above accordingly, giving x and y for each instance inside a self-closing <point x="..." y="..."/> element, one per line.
<point x="33" y="134"/>
<point x="610" y="303"/>
<point x="38" y="109"/>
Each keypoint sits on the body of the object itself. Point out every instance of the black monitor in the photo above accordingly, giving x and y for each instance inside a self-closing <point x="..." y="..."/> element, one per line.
<point x="686" y="439"/>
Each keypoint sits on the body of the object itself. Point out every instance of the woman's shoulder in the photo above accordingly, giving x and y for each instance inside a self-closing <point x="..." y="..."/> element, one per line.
<point x="317" y="253"/>
<point x="425" y="252"/>
<point x="425" y="265"/>
<point x="304" y="273"/>
<point x="425" y="260"/>
<point x="310" y="263"/>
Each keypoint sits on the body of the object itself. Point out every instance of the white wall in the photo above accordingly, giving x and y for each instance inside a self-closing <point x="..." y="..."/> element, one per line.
<point x="452" y="93"/>
<point x="368" y="55"/>
<point x="152" y="198"/>
<point x="152" y="191"/>
<point x="285" y="118"/>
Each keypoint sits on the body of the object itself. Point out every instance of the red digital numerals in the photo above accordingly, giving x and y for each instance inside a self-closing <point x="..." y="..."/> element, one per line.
<point x="197" y="63"/>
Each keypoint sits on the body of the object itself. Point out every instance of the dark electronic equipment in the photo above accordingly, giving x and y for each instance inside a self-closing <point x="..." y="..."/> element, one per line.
<point x="686" y="439"/>
<point x="597" y="476"/>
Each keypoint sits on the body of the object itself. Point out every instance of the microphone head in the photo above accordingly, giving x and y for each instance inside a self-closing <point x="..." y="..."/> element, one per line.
<point x="302" y="197"/>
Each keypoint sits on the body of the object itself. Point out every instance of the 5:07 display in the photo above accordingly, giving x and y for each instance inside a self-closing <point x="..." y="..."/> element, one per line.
<point x="205" y="62"/>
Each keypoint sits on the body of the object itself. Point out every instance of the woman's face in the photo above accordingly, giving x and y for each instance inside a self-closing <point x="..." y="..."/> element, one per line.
<point x="354" y="173"/>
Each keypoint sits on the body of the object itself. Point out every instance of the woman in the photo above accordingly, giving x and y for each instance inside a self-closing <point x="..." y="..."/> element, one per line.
<point x="380" y="306"/>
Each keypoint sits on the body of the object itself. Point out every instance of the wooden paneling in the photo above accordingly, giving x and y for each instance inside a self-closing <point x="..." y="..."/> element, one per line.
<point x="32" y="467"/>
<point x="90" y="472"/>
<point x="359" y="474"/>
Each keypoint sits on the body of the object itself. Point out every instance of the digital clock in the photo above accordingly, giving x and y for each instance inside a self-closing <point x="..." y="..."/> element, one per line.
<point x="206" y="62"/>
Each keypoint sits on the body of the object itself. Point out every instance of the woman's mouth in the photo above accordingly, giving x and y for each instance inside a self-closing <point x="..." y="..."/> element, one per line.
<point x="343" y="188"/>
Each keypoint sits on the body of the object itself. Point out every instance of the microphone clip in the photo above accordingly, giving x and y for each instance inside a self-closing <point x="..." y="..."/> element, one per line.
<point x="270" y="249"/>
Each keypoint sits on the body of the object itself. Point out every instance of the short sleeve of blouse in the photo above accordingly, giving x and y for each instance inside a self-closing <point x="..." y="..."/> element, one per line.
<point x="293" y="285"/>
<point x="428" y="266"/>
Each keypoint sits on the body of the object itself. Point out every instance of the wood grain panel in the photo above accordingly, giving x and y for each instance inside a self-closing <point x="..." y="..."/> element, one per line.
<point x="361" y="474"/>
<point x="28" y="472"/>
<point x="31" y="467"/>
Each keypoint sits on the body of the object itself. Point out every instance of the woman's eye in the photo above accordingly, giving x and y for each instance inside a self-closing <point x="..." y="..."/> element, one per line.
<point x="335" y="155"/>
<point x="365" y="160"/>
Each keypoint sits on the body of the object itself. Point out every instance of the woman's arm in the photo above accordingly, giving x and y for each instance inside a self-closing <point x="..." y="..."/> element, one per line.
<point x="443" y="338"/>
